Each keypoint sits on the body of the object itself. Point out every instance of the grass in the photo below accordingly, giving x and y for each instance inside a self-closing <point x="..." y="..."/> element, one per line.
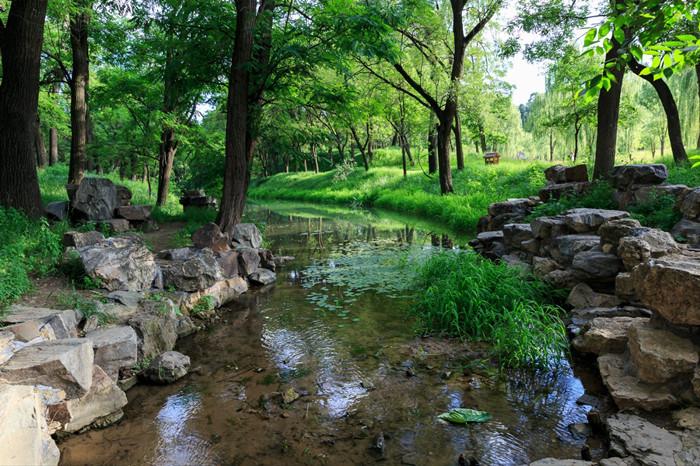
<point x="472" y="298"/>
<point x="475" y="188"/>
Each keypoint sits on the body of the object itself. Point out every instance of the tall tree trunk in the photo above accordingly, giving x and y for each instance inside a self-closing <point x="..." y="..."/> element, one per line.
<point x="166" y="157"/>
<point x="78" y="102"/>
<point x="608" y="116"/>
<point x="577" y="130"/>
<point x="21" y="41"/>
<point x="432" y="148"/>
<point x="458" y="142"/>
<point x="53" y="146"/>
<point x="314" y="154"/>
<point x="551" y="145"/>
<point x="675" y="133"/>
<point x="482" y="138"/>
<point x="42" y="158"/>
<point x="444" y="131"/>
<point x="697" y="73"/>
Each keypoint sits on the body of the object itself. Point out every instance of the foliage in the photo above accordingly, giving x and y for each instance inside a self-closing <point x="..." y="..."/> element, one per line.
<point x="27" y="248"/>
<point x="205" y="304"/>
<point x="599" y="196"/>
<point x="464" y="416"/>
<point x="88" y="307"/>
<point x="469" y="297"/>
<point x="659" y="211"/>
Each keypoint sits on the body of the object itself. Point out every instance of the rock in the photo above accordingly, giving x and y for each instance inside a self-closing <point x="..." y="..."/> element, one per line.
<point x="210" y="236"/>
<point x="585" y="220"/>
<point x="582" y="295"/>
<point x="7" y="345"/>
<point x="123" y="196"/>
<point x="95" y="199"/>
<point x="79" y="239"/>
<point x="267" y="259"/>
<point x="195" y="271"/>
<point x="185" y="326"/>
<point x="31" y="322"/>
<point x="647" y="443"/>
<point x="198" y="200"/>
<point x="567" y="278"/>
<point x="695" y="382"/>
<point x="221" y="292"/>
<point x="115" y="348"/>
<point x="262" y="277"/>
<point x="560" y="462"/>
<point x="624" y="176"/>
<point x="589" y="313"/>
<point x="248" y="260"/>
<point x="228" y="261"/>
<point x="167" y="367"/>
<point x="541" y="266"/>
<point x="556" y="191"/>
<point x="531" y="246"/>
<point x="642" y="194"/>
<point x="577" y="173"/>
<point x="122" y="263"/>
<point x="688" y="418"/>
<point x="628" y="391"/>
<point x="156" y="332"/>
<point x="102" y="405"/>
<point x="659" y="355"/>
<point x="290" y="396"/>
<point x="688" y="230"/>
<point x="565" y="247"/>
<point x="671" y="287"/>
<point x="127" y="298"/>
<point x="646" y="243"/>
<point x="597" y="264"/>
<point x="246" y="235"/>
<point x="24" y="435"/>
<point x="611" y="232"/>
<point x="624" y="287"/>
<point x="63" y="364"/>
<point x="546" y="228"/>
<point x="57" y="210"/>
<point x="515" y="233"/>
<point x="522" y="206"/>
<point x="606" y="335"/>
<point x="114" y="225"/>
<point x="134" y="213"/>
<point x="690" y="207"/>
<point x="629" y="461"/>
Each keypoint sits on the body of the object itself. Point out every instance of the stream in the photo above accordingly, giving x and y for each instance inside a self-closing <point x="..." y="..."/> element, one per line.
<point x="336" y="329"/>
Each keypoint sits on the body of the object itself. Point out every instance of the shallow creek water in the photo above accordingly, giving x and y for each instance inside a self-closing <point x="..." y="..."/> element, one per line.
<point x="348" y="347"/>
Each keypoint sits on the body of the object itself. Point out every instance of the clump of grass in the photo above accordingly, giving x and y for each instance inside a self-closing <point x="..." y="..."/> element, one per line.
<point x="88" y="307"/>
<point x="599" y="196"/>
<point x="659" y="211"/>
<point x="205" y="304"/>
<point x="469" y="297"/>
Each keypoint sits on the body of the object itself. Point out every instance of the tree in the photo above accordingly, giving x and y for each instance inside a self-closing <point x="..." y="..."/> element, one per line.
<point x="20" y="43"/>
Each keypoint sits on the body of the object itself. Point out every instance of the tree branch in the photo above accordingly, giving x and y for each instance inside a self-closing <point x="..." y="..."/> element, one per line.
<point x="393" y="84"/>
<point x="490" y="12"/>
<point x="433" y="104"/>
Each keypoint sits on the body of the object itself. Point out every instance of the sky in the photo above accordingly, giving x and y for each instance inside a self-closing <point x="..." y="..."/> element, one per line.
<point x="526" y="78"/>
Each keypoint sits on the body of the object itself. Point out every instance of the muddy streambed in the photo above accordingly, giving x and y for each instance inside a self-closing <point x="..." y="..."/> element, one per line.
<point x="335" y="329"/>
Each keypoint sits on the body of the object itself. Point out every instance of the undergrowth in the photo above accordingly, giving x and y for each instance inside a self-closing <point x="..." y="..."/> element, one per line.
<point x="472" y="298"/>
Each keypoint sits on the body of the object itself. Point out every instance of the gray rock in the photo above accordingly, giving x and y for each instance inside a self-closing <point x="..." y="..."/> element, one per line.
<point x="660" y="356"/>
<point x="79" y="239"/>
<point x="556" y="191"/>
<point x="24" y="434"/>
<point x="613" y="231"/>
<point x="7" y="345"/>
<point x="134" y="213"/>
<point x="690" y="207"/>
<point x="221" y="292"/>
<point x="57" y="210"/>
<point x="115" y="348"/>
<point x="210" y="236"/>
<point x="647" y="443"/>
<point x="647" y="243"/>
<point x="546" y="228"/>
<point x="597" y="264"/>
<point x="195" y="271"/>
<point x="585" y="220"/>
<point x="127" y="298"/>
<point x="606" y="335"/>
<point x="63" y="323"/>
<point x="688" y="230"/>
<point x="185" y="326"/>
<point x="515" y="233"/>
<point x="582" y="296"/>
<point x="246" y="235"/>
<point x="228" y="261"/>
<point x="114" y="225"/>
<point x="566" y="247"/>
<point x="156" y="332"/>
<point x="624" y="176"/>
<point x="248" y="260"/>
<point x="263" y="277"/>
<point x="560" y="462"/>
<point x="512" y="206"/>
<point x="624" y="287"/>
<point x="123" y="196"/>
<point x="95" y="199"/>
<point x="168" y="367"/>
<point x="63" y="364"/>
<point x="102" y="405"/>
<point x="267" y="259"/>
<point x="122" y="263"/>
<point x="560" y="174"/>
<point x="566" y="278"/>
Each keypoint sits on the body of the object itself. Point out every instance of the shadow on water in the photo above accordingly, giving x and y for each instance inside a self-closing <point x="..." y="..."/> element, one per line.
<point x="336" y="330"/>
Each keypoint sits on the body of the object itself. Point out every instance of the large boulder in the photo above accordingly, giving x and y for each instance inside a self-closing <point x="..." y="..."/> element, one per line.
<point x="647" y="443"/>
<point x="95" y="199"/>
<point x="262" y="277"/>
<point x="582" y="296"/>
<point x="628" y="391"/>
<point x="219" y="293"/>
<point x="31" y="322"/>
<point x="115" y="348"/>
<point x="248" y="260"/>
<point x="606" y="335"/>
<point x="688" y="230"/>
<point x="246" y="235"/>
<point x="228" y="261"/>
<point x="101" y="406"/>
<point x="210" y="236"/>
<point x="24" y="434"/>
<point x="167" y="367"/>
<point x="557" y="174"/>
<point x="156" y="332"/>
<point x="659" y="355"/>
<point x="624" y="176"/>
<point x="515" y="233"/>
<point x="57" y="210"/>
<point x="546" y="228"/>
<point x="690" y="207"/>
<point x="557" y="191"/>
<point x="645" y="244"/>
<point x="670" y="286"/>
<point x="191" y="270"/>
<point x="565" y="248"/>
<point x="584" y="220"/>
<point x="123" y="195"/>
<point x="134" y="213"/>
<point x="642" y="194"/>
<point x="613" y="231"/>
<point x="597" y="264"/>
<point x="62" y="364"/>
<point x="80" y="239"/>
<point x="122" y="263"/>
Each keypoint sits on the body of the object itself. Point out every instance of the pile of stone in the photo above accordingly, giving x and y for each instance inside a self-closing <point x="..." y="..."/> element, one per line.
<point x="197" y="199"/>
<point x="101" y="201"/>
<point x="564" y="181"/>
<point x="635" y="294"/>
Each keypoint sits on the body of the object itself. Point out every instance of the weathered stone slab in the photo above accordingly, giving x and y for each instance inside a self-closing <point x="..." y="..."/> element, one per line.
<point x="565" y="247"/>
<point x="196" y="271"/>
<point x="64" y="323"/>
<point x="248" y="260"/>
<point x="122" y="263"/>
<point x="221" y="292"/>
<point x="262" y="277"/>
<point x="560" y="462"/>
<point x="689" y="230"/>
<point x="135" y="213"/>
<point x="613" y="231"/>
<point x="546" y="228"/>
<point x="659" y="355"/>
<point x="156" y="332"/>
<point x="646" y="442"/>
<point x="115" y="348"/>
<point x="167" y="367"/>
<point x="210" y="236"/>
<point x="114" y="225"/>
<point x="7" y="345"/>
<point x="586" y="220"/>
<point x="556" y="191"/>
<point x="95" y="199"/>
<point x="597" y="264"/>
<point x="80" y="239"/>
<point x="582" y="296"/>
<point x="606" y="335"/>
<point x="515" y="233"/>
<point x="247" y="235"/>
<point x="624" y="176"/>
<point x="24" y="435"/>
<point x="57" y="210"/>
<point x="690" y="207"/>
<point x="64" y="364"/>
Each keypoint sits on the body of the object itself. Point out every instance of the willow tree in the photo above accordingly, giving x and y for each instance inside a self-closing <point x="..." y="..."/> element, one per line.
<point x="20" y="44"/>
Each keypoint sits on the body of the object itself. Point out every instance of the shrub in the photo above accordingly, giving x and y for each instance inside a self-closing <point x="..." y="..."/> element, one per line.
<point x="659" y="211"/>
<point x="469" y="297"/>
<point x="599" y="196"/>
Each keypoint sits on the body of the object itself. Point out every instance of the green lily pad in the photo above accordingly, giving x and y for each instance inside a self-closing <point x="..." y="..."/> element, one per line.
<point x="464" y="416"/>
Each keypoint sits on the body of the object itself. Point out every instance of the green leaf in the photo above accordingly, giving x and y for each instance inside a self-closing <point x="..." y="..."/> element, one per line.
<point x="686" y="37"/>
<point x="589" y="38"/>
<point x="619" y="35"/>
<point x="604" y="29"/>
<point x="695" y="165"/>
<point x="464" y="416"/>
